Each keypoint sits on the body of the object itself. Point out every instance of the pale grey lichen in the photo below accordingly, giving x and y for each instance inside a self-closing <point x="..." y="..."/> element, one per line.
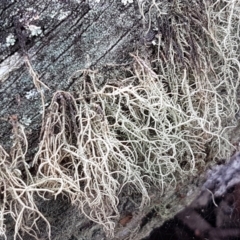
<point x="35" y="30"/>
<point x="26" y="121"/>
<point x="33" y="93"/>
<point x="223" y="177"/>
<point x="63" y="14"/>
<point x="10" y="40"/>
<point x="125" y="2"/>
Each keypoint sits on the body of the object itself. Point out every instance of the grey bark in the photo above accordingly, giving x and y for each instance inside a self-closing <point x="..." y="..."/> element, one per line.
<point x="214" y="214"/>
<point x="71" y="35"/>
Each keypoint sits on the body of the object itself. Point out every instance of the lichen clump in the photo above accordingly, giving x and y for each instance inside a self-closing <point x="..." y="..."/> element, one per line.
<point x="155" y="128"/>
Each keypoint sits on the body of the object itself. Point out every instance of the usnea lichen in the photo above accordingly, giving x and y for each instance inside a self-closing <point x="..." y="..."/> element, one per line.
<point x="155" y="128"/>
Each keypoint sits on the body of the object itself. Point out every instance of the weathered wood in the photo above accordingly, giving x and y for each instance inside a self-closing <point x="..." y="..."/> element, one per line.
<point x="74" y="35"/>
